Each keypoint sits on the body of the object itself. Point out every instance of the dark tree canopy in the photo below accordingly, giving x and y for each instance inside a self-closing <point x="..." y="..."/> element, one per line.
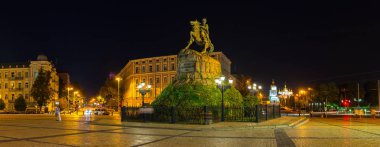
<point x="41" y="90"/>
<point x="20" y="103"/>
<point x="2" y="104"/>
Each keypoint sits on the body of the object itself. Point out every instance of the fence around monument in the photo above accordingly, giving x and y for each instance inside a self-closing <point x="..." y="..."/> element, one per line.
<point x="201" y="115"/>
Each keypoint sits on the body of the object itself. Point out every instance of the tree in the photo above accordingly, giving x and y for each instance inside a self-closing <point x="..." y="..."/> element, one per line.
<point x="329" y="91"/>
<point x="62" y="103"/>
<point x="242" y="83"/>
<point x="41" y="90"/>
<point x="20" y="103"/>
<point x="109" y="92"/>
<point x="233" y="97"/>
<point x="250" y="100"/>
<point x="2" y="104"/>
<point x="188" y="95"/>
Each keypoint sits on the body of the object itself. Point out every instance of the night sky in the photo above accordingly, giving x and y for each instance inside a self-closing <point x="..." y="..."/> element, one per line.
<point x="288" y="41"/>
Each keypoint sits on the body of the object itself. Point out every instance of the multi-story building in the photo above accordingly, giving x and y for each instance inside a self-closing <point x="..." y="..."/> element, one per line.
<point x="16" y="79"/>
<point x="158" y="72"/>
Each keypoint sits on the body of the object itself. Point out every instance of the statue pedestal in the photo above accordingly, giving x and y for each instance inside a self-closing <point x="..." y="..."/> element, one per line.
<point x="196" y="67"/>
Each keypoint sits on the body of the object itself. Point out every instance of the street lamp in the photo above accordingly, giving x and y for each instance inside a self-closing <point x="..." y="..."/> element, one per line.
<point x="68" y="95"/>
<point x="222" y="84"/>
<point x="118" y="79"/>
<point x="143" y="89"/>
<point x="254" y="88"/>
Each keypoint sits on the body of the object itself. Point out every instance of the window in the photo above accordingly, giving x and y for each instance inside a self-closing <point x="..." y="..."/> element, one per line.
<point x="172" y="67"/>
<point x="137" y="70"/>
<point x="157" y="68"/>
<point x="19" y="85"/>
<point x="19" y="74"/>
<point x="35" y="74"/>
<point x="0" y="85"/>
<point x="143" y="62"/>
<point x="165" y="68"/>
<point x="13" y="96"/>
<point x="12" y="85"/>
<point x="165" y="80"/>
<point x="6" y="85"/>
<point x="150" y="81"/>
<point x="143" y="69"/>
<point x="6" y="96"/>
<point x="150" y="61"/>
<point x="6" y="75"/>
<point x="165" y="60"/>
<point x="137" y="63"/>
<point x="26" y="85"/>
<point x="172" y="59"/>
<point x="150" y="68"/>
<point x="157" y="80"/>
<point x="143" y="81"/>
<point x="12" y="74"/>
<point x="27" y="74"/>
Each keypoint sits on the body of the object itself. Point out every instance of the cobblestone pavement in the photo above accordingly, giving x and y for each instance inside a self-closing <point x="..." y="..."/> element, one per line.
<point x="35" y="130"/>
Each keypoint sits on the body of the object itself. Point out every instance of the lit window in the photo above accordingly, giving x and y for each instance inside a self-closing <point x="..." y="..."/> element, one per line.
<point x="157" y="80"/>
<point x="172" y="67"/>
<point x="137" y="70"/>
<point x="157" y="68"/>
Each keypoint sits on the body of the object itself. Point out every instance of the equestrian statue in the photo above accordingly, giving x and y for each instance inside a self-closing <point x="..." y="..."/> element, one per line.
<point x="200" y="34"/>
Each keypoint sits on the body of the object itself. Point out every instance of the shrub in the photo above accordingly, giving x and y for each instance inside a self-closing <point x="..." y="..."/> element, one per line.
<point x="2" y="104"/>
<point x="20" y="103"/>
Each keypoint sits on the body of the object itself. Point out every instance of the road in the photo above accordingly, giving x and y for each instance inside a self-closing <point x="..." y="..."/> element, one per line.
<point x="34" y="130"/>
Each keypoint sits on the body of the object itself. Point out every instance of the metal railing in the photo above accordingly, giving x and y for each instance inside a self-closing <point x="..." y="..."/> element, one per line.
<point x="201" y="115"/>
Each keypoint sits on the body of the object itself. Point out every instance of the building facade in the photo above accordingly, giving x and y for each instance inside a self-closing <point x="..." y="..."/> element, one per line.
<point x="158" y="72"/>
<point x="16" y="79"/>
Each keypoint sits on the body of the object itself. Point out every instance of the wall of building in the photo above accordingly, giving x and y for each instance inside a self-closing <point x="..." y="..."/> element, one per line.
<point x="17" y="79"/>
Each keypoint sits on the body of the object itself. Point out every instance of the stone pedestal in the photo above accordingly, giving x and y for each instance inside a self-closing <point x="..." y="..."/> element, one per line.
<point x="196" y="67"/>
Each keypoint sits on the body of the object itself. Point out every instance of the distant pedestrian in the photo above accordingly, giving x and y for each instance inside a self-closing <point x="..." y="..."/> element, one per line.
<point x="57" y="114"/>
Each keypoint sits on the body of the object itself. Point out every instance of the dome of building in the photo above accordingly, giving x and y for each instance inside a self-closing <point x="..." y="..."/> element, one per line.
<point x="42" y="58"/>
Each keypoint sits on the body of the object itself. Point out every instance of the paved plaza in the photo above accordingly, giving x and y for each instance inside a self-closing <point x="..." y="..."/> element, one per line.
<point x="43" y="130"/>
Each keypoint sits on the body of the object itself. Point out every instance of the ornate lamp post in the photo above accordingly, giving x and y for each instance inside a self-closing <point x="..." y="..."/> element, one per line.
<point x="222" y="85"/>
<point x="118" y="79"/>
<point x="143" y="89"/>
<point x="255" y="88"/>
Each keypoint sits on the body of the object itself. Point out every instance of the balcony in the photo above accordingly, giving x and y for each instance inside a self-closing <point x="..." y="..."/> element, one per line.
<point x="16" y="78"/>
<point x="15" y="89"/>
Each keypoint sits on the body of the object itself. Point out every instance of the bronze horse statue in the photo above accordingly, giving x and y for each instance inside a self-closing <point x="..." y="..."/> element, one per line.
<point x="200" y="35"/>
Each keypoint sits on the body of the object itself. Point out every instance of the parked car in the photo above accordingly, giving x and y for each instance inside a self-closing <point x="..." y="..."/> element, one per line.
<point x="101" y="111"/>
<point x="32" y="110"/>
